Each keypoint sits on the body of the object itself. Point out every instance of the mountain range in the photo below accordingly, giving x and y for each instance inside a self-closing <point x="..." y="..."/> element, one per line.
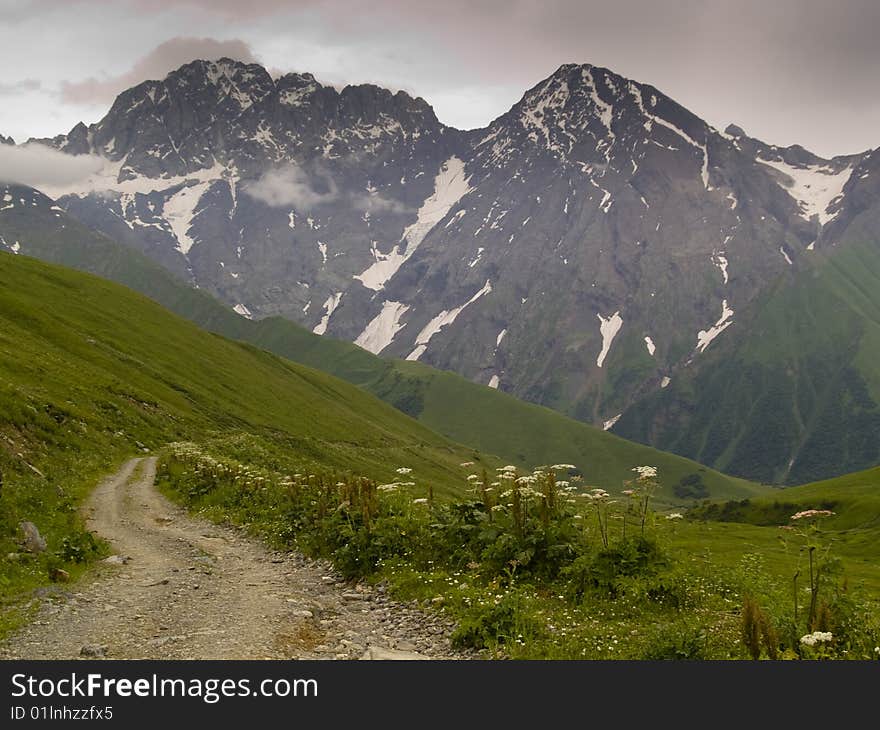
<point x="598" y="249"/>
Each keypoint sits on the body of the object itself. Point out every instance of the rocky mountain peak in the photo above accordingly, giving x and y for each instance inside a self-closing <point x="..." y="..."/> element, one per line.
<point x="234" y="115"/>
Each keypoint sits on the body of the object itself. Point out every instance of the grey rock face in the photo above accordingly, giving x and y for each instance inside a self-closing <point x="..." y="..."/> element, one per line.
<point x="32" y="541"/>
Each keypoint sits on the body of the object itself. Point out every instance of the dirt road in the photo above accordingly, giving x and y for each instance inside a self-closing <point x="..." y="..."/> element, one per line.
<point x="189" y="589"/>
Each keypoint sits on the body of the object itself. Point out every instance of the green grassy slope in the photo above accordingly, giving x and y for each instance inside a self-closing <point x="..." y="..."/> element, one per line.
<point x="854" y="499"/>
<point x="91" y="373"/>
<point x="853" y="531"/>
<point x="793" y="395"/>
<point x="88" y="348"/>
<point x="486" y="419"/>
<point x="531" y="434"/>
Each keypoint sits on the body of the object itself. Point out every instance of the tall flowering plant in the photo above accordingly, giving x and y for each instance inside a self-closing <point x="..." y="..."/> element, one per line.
<point x="805" y="526"/>
<point x="640" y="491"/>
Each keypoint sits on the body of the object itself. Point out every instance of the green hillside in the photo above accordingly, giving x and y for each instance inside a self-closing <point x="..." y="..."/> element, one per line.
<point x="793" y="395"/>
<point x="854" y="499"/>
<point x="853" y="531"/>
<point x="111" y="366"/>
<point x="486" y="419"/>
<point x="91" y="372"/>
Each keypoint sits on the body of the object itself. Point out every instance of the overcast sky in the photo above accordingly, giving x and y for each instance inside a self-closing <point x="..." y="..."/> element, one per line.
<point x="787" y="71"/>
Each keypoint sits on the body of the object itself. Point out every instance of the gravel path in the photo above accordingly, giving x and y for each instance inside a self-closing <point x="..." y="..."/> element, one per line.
<point x="189" y="589"/>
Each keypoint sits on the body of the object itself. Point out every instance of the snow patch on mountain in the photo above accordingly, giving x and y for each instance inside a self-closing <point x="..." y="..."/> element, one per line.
<point x="329" y="307"/>
<point x="719" y="259"/>
<point x="179" y="211"/>
<point x="604" y="109"/>
<point x="243" y="311"/>
<point x="450" y="186"/>
<point x="654" y="119"/>
<point x="550" y="96"/>
<point x="473" y="262"/>
<point x="705" y="337"/>
<point x="446" y="317"/>
<point x="380" y="332"/>
<point x="814" y="187"/>
<point x="649" y="343"/>
<point x="608" y="328"/>
<point x="295" y="97"/>
<point x="609" y="424"/>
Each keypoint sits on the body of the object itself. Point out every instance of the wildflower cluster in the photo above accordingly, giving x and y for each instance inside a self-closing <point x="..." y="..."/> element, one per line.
<point x="811" y="513"/>
<point x="817" y="637"/>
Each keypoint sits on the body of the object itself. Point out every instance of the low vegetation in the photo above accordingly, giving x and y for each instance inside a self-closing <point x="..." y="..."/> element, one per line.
<point x="540" y="564"/>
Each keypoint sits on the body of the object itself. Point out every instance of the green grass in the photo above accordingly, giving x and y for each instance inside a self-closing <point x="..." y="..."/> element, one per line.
<point x="529" y="435"/>
<point x="753" y="525"/>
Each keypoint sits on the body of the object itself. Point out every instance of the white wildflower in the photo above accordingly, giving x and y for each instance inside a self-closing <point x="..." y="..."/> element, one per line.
<point x="805" y="514"/>
<point x="817" y="637"/>
<point x="645" y="472"/>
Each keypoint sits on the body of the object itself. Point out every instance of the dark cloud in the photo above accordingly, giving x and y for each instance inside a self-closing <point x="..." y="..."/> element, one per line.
<point x="166" y="57"/>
